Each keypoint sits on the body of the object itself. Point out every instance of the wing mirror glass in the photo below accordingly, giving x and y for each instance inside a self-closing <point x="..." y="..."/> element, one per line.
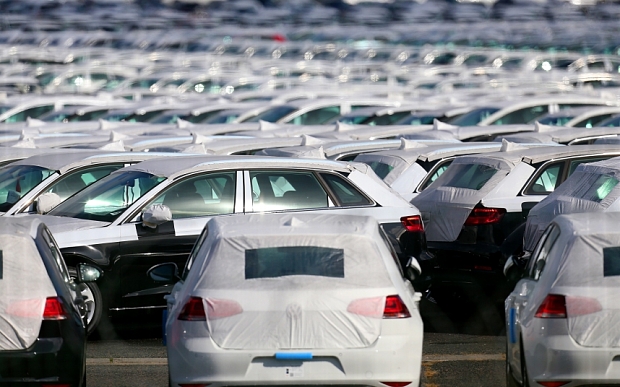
<point x="87" y="273"/>
<point x="164" y="272"/>
<point x="413" y="269"/>
<point x="155" y="215"/>
<point x="46" y="202"/>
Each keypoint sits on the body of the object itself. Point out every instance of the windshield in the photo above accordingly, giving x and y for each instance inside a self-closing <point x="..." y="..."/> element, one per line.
<point x="273" y="114"/>
<point x="474" y="117"/>
<point x="16" y="181"/>
<point x="105" y="200"/>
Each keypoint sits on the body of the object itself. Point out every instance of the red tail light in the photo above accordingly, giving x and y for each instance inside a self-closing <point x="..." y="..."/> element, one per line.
<point x="483" y="215"/>
<point x="395" y="308"/>
<point x="553" y="306"/>
<point x="580" y="306"/>
<point x="193" y="310"/>
<point x="396" y="384"/>
<point x="369" y="307"/>
<point x="54" y="309"/>
<point x="412" y="223"/>
<point x="552" y="383"/>
<point x="217" y="308"/>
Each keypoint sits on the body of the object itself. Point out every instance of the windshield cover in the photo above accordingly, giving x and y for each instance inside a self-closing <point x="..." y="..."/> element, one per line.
<point x="105" y="200"/>
<point x="16" y="181"/>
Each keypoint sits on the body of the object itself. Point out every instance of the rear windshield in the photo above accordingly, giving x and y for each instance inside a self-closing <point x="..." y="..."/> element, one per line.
<point x="611" y="261"/>
<point x="381" y="169"/>
<point x="273" y="262"/>
<point x="470" y="176"/>
<point x="595" y="188"/>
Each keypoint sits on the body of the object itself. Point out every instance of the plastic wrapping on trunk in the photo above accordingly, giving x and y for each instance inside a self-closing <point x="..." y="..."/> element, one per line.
<point x="587" y="264"/>
<point x="592" y="187"/>
<point x="448" y="201"/>
<point x="292" y="285"/>
<point x="386" y="167"/>
<point x="24" y="288"/>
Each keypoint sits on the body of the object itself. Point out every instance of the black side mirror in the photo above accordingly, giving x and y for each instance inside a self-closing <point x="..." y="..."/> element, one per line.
<point x="413" y="269"/>
<point x="87" y="273"/>
<point x="164" y="272"/>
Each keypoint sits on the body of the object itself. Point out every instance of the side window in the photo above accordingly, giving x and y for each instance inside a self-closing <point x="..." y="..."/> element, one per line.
<point x="547" y="180"/>
<point x="537" y="263"/>
<point x="318" y="116"/>
<point x="76" y="181"/>
<point x="345" y="192"/>
<point x="58" y="259"/>
<point x="438" y="171"/>
<point x="212" y="194"/>
<point x="286" y="190"/>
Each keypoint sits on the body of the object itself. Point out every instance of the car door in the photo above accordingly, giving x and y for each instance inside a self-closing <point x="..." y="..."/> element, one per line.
<point x="192" y="201"/>
<point x="517" y="311"/>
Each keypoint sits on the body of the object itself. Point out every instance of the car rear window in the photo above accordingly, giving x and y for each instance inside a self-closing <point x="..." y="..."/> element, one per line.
<point x="381" y="169"/>
<point x="273" y="262"/>
<point x="595" y="188"/>
<point x="470" y="176"/>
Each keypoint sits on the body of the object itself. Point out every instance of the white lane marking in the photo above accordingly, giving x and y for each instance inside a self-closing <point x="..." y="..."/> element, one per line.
<point x="162" y="361"/>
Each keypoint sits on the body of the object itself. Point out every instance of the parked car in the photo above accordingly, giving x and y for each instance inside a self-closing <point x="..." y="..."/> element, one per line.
<point x="42" y="334"/>
<point x="284" y="298"/>
<point x="480" y="200"/>
<point x="109" y="223"/>
<point x="561" y="318"/>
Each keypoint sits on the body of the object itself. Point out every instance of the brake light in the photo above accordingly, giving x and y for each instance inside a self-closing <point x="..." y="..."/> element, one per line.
<point x="395" y="308"/>
<point x="552" y="383"/>
<point x="54" y="309"/>
<point x="412" y="223"/>
<point x="580" y="306"/>
<point x="368" y="307"/>
<point x="553" y="306"/>
<point x="193" y="310"/>
<point x="396" y="384"/>
<point x="483" y="215"/>
<point x="217" y="308"/>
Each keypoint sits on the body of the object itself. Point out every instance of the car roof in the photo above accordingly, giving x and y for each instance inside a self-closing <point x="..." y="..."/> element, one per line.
<point x="545" y="153"/>
<point x="189" y="164"/>
<point x="582" y="224"/>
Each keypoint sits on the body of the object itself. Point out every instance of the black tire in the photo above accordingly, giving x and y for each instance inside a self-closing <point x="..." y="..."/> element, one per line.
<point x="93" y="303"/>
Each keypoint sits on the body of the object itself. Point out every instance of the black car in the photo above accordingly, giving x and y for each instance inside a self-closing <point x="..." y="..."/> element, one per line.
<point x="42" y="330"/>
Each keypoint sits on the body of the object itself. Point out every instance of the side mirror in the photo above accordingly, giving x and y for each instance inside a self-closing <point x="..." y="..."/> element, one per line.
<point x="87" y="273"/>
<point x="155" y="215"/>
<point x="164" y="272"/>
<point x="413" y="269"/>
<point x="46" y="202"/>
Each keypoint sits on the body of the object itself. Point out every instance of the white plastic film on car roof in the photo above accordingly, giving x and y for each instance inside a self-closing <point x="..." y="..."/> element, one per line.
<point x="586" y="270"/>
<point x="24" y="287"/>
<point x="445" y="208"/>
<point x="593" y="187"/>
<point x="324" y="299"/>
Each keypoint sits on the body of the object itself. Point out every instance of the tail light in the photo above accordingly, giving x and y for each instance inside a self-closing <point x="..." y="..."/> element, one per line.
<point x="395" y="308"/>
<point x="580" y="306"/>
<point x="54" y="309"/>
<point x="412" y="223"/>
<point x="482" y="215"/>
<point x="554" y="383"/>
<point x="553" y="306"/>
<point x="193" y="310"/>
<point x="217" y="308"/>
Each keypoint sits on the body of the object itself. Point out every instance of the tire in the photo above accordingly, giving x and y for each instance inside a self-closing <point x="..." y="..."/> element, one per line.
<point x="93" y="302"/>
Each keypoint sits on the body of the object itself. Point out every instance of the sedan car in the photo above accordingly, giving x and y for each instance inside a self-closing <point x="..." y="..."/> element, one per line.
<point x="42" y="335"/>
<point x="561" y="318"/>
<point x="293" y="298"/>
<point x="105" y="223"/>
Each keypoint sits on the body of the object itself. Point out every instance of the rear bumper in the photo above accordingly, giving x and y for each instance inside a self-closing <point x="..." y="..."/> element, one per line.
<point x="392" y="357"/>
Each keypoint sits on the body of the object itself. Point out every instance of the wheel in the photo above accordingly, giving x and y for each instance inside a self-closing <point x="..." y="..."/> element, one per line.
<point x="93" y="303"/>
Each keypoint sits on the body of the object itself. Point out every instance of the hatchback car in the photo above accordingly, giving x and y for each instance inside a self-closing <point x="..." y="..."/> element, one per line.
<point x="293" y="299"/>
<point x="561" y="318"/>
<point x="104" y="224"/>
<point x="42" y="334"/>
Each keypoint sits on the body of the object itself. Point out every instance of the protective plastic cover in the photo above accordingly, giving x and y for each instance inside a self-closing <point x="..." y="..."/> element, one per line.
<point x="593" y="187"/>
<point x="292" y="281"/>
<point x="24" y="287"/>
<point x="448" y="201"/>
<point x="586" y="269"/>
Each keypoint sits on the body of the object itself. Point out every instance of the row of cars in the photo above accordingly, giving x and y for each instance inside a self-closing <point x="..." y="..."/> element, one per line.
<point x="152" y="212"/>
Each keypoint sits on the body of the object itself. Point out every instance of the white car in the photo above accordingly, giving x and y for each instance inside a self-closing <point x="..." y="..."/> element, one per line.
<point x="285" y="299"/>
<point x="104" y="224"/>
<point x="562" y="318"/>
